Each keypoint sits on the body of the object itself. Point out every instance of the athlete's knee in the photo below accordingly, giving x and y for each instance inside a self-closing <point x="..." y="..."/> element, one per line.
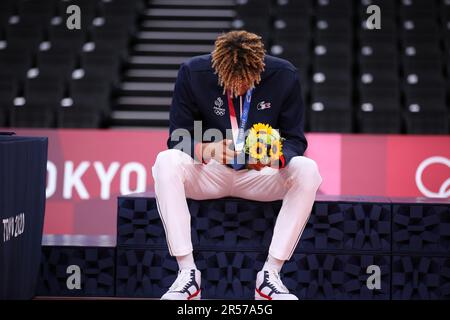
<point x="305" y="172"/>
<point x="168" y="162"/>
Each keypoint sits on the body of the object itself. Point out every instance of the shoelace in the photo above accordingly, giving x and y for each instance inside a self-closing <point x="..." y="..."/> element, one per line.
<point x="183" y="279"/>
<point x="277" y="282"/>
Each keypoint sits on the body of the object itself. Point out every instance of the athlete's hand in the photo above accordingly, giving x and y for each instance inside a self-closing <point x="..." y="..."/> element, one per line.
<point x="219" y="151"/>
<point x="255" y="166"/>
<point x="258" y="166"/>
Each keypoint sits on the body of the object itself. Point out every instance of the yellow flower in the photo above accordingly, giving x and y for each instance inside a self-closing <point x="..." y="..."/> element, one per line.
<point x="253" y="134"/>
<point x="252" y="138"/>
<point x="258" y="150"/>
<point x="276" y="150"/>
<point x="260" y="137"/>
<point x="261" y="128"/>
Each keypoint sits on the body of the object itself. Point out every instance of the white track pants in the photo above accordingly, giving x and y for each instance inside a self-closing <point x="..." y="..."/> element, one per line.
<point x="177" y="177"/>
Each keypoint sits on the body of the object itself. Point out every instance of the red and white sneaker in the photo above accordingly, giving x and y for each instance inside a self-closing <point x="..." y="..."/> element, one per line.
<point x="270" y="287"/>
<point x="185" y="287"/>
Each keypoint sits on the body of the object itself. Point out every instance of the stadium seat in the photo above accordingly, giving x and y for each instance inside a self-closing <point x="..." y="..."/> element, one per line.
<point x="336" y="26"/>
<point x="420" y="49"/>
<point x="62" y="38"/>
<point x="421" y="71"/>
<point x="331" y="108"/>
<point x="78" y="117"/>
<point x="296" y="53"/>
<point x="37" y="12"/>
<point x="43" y="93"/>
<point x="42" y="97"/>
<point x="291" y="38"/>
<point x="324" y="119"/>
<point x="388" y="23"/>
<point x="111" y="39"/>
<point x="58" y="63"/>
<point x="121" y="12"/>
<point x="445" y="14"/>
<point x="292" y="26"/>
<point x="24" y="36"/>
<point x="370" y="53"/>
<point x="15" y="62"/>
<point x="333" y="53"/>
<point x="417" y="8"/>
<point x="419" y="27"/>
<point x="253" y="15"/>
<point x="88" y="8"/>
<point x="8" y="91"/>
<point x="91" y="93"/>
<point x="384" y="121"/>
<point x="334" y="9"/>
<point x="379" y="99"/>
<point x="379" y="109"/>
<point x="253" y="8"/>
<point x="426" y="98"/>
<point x="377" y="75"/>
<point x="330" y="72"/>
<point x="7" y="9"/>
<point x="101" y="66"/>
<point x="424" y="122"/>
<point x="389" y="7"/>
<point x="292" y="8"/>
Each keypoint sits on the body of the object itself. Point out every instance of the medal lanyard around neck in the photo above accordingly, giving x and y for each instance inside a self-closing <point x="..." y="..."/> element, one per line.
<point x="239" y="131"/>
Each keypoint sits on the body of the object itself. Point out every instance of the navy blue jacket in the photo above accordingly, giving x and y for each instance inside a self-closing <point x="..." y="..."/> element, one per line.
<point x="198" y="96"/>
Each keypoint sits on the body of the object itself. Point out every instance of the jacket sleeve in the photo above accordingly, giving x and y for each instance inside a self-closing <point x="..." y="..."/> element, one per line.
<point x="183" y="113"/>
<point x="291" y="123"/>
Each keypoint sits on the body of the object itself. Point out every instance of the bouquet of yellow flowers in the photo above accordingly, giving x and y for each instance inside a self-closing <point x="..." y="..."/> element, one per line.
<point x="263" y="144"/>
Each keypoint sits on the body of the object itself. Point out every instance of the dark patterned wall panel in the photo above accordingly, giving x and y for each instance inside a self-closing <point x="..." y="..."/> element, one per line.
<point x="233" y="223"/>
<point x="421" y="228"/>
<point x="144" y="273"/>
<point x="138" y="222"/>
<point x="220" y="223"/>
<point x="420" y="278"/>
<point x="325" y="227"/>
<point x="348" y="226"/>
<point x="341" y="239"/>
<point x="149" y="273"/>
<point x="237" y="223"/>
<point x="96" y="266"/>
<point x="328" y="276"/>
<point x="232" y="275"/>
<point x="445" y="280"/>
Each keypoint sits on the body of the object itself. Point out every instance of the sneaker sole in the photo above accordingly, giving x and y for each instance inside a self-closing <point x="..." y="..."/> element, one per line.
<point x="261" y="296"/>
<point x="195" y="296"/>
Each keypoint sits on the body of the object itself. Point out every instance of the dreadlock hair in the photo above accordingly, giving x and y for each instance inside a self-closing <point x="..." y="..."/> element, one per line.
<point x="238" y="59"/>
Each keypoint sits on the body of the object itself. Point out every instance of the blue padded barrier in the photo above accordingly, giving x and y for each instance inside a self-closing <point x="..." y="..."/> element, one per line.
<point x="420" y="278"/>
<point x="343" y="224"/>
<point x="421" y="228"/>
<point x="344" y="277"/>
<point x="231" y="275"/>
<point x="95" y="258"/>
<point x="96" y="265"/>
<point x="408" y="239"/>
<point x="348" y="226"/>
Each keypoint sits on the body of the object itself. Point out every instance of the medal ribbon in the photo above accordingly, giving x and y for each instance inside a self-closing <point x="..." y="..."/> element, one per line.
<point x="239" y="131"/>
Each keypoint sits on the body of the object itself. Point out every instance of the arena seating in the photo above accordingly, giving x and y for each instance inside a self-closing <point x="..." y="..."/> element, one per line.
<point x="51" y="76"/>
<point x="391" y="80"/>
